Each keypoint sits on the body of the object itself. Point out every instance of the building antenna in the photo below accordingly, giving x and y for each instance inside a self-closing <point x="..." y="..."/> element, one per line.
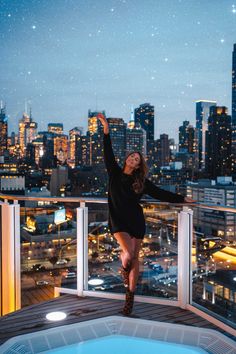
<point x="26" y="107"/>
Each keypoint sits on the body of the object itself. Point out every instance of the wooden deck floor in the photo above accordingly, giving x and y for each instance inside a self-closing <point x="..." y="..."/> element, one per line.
<point x="78" y="309"/>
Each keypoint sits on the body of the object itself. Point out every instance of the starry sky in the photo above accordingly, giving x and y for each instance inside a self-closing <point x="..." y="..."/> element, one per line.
<point x="64" y="57"/>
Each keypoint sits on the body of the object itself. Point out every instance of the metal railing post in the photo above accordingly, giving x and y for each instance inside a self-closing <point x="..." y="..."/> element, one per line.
<point x="10" y="272"/>
<point x="185" y="229"/>
<point x="82" y="256"/>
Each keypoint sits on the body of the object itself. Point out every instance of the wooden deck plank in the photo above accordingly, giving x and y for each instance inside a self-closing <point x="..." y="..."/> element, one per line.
<point x="32" y="318"/>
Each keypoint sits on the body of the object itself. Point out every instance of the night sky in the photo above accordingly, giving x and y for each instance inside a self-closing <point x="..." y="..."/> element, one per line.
<point x="66" y="56"/>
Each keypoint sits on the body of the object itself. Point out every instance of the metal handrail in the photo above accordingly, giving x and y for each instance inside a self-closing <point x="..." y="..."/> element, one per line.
<point x="104" y="201"/>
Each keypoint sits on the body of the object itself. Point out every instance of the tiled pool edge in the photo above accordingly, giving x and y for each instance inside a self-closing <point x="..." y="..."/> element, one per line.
<point x="212" y="341"/>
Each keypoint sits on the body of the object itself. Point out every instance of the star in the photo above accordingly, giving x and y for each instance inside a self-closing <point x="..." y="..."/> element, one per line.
<point x="29" y="72"/>
<point x="152" y="77"/>
<point x="166" y="60"/>
<point x="33" y="27"/>
<point x="112" y="10"/>
<point x="9" y="15"/>
<point x="222" y="40"/>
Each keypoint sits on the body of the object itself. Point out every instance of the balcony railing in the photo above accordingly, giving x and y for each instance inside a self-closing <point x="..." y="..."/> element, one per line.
<point x="63" y="245"/>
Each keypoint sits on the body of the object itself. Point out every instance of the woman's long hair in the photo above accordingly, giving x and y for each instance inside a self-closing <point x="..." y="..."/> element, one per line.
<point x="139" y="174"/>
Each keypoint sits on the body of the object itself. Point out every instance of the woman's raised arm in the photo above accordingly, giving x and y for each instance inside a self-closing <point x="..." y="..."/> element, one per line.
<point x="109" y="158"/>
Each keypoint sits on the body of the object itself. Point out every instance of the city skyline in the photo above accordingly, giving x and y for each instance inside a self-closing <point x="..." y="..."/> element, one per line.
<point x="69" y="58"/>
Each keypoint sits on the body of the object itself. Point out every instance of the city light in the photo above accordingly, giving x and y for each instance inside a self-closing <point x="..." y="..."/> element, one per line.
<point x="56" y="316"/>
<point x="95" y="282"/>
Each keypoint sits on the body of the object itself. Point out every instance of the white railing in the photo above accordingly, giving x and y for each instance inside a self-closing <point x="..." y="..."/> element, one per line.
<point x="185" y="232"/>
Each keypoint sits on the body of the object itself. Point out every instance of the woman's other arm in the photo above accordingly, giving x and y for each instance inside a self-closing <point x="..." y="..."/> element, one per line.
<point x="163" y="195"/>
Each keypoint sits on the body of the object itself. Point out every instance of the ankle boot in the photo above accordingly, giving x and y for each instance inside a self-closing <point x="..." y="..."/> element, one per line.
<point x="125" y="275"/>
<point x="129" y="302"/>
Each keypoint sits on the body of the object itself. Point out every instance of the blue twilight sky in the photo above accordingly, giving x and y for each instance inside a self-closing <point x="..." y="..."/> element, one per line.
<point x="66" y="56"/>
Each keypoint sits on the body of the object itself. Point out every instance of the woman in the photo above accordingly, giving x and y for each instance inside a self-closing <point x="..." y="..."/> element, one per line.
<point x="126" y="219"/>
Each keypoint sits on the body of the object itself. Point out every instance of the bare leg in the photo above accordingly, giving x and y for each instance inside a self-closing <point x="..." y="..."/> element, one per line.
<point x="134" y="272"/>
<point x="126" y="244"/>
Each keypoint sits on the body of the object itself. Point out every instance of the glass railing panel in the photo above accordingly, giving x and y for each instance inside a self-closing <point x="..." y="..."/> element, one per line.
<point x="48" y="249"/>
<point x="158" y="255"/>
<point x="214" y="263"/>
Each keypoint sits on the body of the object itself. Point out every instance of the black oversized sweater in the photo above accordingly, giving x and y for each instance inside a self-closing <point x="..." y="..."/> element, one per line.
<point x="125" y="212"/>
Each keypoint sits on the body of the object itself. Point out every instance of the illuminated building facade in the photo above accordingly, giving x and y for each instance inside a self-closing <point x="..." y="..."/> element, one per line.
<point x="27" y="132"/>
<point x="136" y="140"/>
<point x="56" y="128"/>
<point x="218" y="143"/>
<point x="144" y="115"/>
<point x="61" y="147"/>
<point x="234" y="110"/>
<point x="95" y="133"/>
<point x="202" y="114"/>
<point x="3" y="131"/>
<point x="93" y="122"/>
<point x="221" y="191"/>
<point x="82" y="150"/>
<point x="73" y="134"/>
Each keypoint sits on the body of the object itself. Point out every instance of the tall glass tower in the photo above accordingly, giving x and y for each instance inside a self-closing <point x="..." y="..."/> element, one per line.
<point x="202" y="114"/>
<point x="234" y="110"/>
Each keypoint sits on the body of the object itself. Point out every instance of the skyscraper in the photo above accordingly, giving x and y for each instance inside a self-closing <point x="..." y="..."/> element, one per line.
<point x="234" y="110"/>
<point x="56" y="128"/>
<point x="27" y="132"/>
<point x="136" y="140"/>
<point x="93" y="122"/>
<point x="95" y="133"/>
<point x="234" y="86"/>
<point x="3" y="130"/>
<point x="202" y="114"/>
<point x="187" y="138"/>
<point x="61" y="147"/>
<point x="144" y="115"/>
<point x="163" y="150"/>
<point x="73" y="134"/>
<point x="218" y="143"/>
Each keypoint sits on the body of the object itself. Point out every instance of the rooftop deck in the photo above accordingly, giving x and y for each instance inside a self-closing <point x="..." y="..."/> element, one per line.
<point x="80" y="309"/>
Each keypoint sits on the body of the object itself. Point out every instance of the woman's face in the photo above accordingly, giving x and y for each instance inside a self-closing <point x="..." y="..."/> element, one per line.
<point x="133" y="160"/>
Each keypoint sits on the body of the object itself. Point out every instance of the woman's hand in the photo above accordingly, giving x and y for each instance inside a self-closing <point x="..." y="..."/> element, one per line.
<point x="189" y="200"/>
<point x="104" y="122"/>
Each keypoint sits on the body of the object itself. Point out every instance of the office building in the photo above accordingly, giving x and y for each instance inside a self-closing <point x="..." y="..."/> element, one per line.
<point x="3" y="130"/>
<point x="234" y="111"/>
<point x="73" y="135"/>
<point x="27" y="132"/>
<point x="144" y="115"/>
<point x="218" y="143"/>
<point x="136" y="140"/>
<point x="56" y="128"/>
<point x="221" y="191"/>
<point x="202" y="114"/>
